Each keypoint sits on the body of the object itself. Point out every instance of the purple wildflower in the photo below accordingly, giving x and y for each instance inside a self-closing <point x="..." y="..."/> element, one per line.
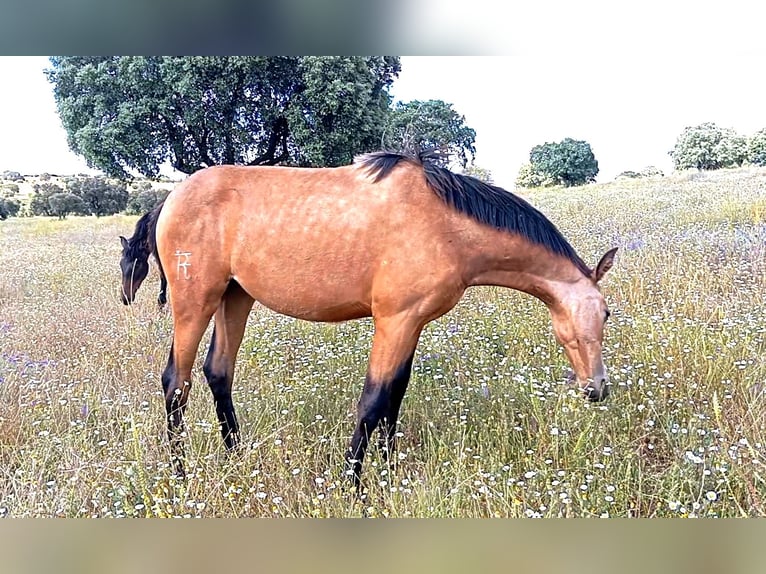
<point x="635" y="243"/>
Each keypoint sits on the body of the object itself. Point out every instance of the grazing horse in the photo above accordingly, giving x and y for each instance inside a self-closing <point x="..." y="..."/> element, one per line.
<point x="134" y="262"/>
<point x="394" y="237"/>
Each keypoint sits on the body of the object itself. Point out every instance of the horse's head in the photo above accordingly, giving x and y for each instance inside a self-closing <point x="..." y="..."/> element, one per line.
<point x="579" y="317"/>
<point x="134" y="264"/>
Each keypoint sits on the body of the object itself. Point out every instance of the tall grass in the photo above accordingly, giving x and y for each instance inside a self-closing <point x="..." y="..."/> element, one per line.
<point x="488" y="427"/>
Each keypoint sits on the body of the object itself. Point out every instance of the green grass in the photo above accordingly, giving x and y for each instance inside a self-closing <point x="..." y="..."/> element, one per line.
<point x="488" y="426"/>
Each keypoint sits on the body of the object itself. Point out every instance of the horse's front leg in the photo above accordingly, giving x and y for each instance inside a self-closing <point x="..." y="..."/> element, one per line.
<point x="388" y="374"/>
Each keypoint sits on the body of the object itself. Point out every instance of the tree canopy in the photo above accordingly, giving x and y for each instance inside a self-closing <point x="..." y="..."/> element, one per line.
<point x="568" y="162"/>
<point x="756" y="148"/>
<point x="9" y="207"/>
<point x="134" y="113"/>
<point x="431" y="124"/>
<point x="89" y="195"/>
<point x="99" y="195"/>
<point x="62" y="204"/>
<point x="143" y="197"/>
<point x="480" y="173"/>
<point x="42" y="193"/>
<point x="708" y="146"/>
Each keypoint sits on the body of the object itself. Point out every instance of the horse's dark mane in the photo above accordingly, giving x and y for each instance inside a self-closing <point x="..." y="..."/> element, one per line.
<point x="484" y="202"/>
<point x="143" y="242"/>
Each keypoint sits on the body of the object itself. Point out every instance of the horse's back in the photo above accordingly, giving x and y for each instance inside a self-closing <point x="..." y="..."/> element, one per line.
<point x="309" y="243"/>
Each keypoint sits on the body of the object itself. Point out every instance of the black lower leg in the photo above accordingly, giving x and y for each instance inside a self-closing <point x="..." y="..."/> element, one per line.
<point x="372" y="406"/>
<point x="380" y="400"/>
<point x="387" y="439"/>
<point x="220" y="382"/>
<point x="174" y="414"/>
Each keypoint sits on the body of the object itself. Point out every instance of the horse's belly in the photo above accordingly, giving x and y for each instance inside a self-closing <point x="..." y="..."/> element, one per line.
<point x="313" y="297"/>
<point x="325" y="313"/>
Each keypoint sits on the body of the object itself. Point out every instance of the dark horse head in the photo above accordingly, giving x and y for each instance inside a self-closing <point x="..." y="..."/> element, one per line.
<point x="134" y="262"/>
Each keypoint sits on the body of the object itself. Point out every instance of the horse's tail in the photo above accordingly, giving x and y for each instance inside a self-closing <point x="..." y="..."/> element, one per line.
<point x="151" y="244"/>
<point x="151" y="234"/>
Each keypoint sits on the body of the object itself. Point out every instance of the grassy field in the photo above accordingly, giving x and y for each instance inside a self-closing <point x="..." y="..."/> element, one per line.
<point x="489" y="428"/>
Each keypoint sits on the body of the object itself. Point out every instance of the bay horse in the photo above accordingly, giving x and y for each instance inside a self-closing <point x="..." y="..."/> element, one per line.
<point x="393" y="237"/>
<point x="134" y="261"/>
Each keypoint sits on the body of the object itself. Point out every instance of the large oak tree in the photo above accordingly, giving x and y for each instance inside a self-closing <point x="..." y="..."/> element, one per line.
<point x="132" y="114"/>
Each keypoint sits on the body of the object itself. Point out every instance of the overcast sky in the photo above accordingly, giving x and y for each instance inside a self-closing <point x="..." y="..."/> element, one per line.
<point x="627" y="83"/>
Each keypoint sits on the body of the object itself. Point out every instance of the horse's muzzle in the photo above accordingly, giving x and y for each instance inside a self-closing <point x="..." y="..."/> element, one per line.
<point x="591" y="393"/>
<point x="596" y="396"/>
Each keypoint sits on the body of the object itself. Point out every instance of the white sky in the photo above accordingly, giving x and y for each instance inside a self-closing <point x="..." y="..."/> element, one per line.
<point x="626" y="81"/>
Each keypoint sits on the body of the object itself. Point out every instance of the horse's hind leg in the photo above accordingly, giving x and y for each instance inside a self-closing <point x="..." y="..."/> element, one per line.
<point x="189" y="324"/>
<point x="389" y="371"/>
<point x="230" y="321"/>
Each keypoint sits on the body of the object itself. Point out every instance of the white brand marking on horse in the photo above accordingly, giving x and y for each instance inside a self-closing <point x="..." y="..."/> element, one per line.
<point x="183" y="263"/>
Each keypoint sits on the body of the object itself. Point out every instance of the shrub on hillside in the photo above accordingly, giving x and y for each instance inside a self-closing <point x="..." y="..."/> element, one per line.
<point x="478" y="172"/>
<point x="13" y="176"/>
<point x="708" y="146"/>
<point x="10" y="189"/>
<point x="529" y="177"/>
<point x="9" y="208"/>
<point x="756" y="148"/>
<point x="649" y="171"/>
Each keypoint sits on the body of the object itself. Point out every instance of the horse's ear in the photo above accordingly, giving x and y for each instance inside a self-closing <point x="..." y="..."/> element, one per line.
<point x="604" y="265"/>
<point x="124" y="242"/>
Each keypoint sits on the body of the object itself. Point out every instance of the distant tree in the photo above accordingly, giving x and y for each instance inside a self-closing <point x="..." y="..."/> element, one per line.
<point x="100" y="195"/>
<point x="140" y="185"/>
<point x="568" y="162"/>
<point x="44" y="176"/>
<point x="529" y="177"/>
<point x="132" y="113"/>
<point x="12" y="206"/>
<point x="648" y="171"/>
<point x="651" y="171"/>
<point x="756" y="148"/>
<point x="416" y="125"/>
<point x="10" y="189"/>
<point x="63" y="204"/>
<point x="9" y="207"/>
<point x="41" y="193"/>
<point x="708" y="146"/>
<point x="13" y="176"/>
<point x="478" y="172"/>
<point x="143" y="198"/>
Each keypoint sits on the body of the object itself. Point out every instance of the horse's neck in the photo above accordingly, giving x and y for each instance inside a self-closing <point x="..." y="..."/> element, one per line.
<point x="517" y="264"/>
